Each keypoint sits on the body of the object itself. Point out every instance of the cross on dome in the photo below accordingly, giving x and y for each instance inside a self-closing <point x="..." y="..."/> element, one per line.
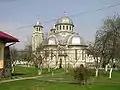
<point x="65" y="14"/>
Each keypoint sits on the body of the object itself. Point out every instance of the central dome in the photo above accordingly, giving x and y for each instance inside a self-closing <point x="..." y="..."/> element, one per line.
<point x="64" y="20"/>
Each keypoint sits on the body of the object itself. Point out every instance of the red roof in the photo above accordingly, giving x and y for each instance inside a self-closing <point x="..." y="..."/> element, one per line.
<point x="7" y="38"/>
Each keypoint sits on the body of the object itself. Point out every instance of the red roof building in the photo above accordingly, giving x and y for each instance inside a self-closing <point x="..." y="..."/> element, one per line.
<point x="5" y="62"/>
<point x="7" y="38"/>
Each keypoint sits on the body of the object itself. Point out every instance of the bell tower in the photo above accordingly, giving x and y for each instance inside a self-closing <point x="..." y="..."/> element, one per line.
<point x="37" y="37"/>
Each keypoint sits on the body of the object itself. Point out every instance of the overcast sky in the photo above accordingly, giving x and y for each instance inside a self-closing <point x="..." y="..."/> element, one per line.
<point x="20" y="13"/>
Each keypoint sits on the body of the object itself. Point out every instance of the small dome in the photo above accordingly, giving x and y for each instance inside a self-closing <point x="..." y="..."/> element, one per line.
<point x="64" y="20"/>
<point x="38" y="24"/>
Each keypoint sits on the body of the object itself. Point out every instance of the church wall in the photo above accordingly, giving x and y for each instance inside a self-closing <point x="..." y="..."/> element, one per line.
<point x="74" y="57"/>
<point x="52" y="58"/>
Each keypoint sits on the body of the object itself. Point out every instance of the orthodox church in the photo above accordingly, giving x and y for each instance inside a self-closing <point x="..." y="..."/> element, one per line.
<point x="65" y="48"/>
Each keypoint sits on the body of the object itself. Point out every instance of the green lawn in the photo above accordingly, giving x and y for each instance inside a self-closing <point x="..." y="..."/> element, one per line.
<point x="29" y="71"/>
<point x="60" y="81"/>
<point x="34" y="84"/>
<point x="25" y="71"/>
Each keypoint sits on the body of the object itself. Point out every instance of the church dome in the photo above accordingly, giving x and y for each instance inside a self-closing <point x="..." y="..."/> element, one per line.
<point x="64" y="20"/>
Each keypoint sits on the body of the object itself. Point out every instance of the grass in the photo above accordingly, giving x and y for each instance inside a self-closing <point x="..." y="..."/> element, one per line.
<point x="60" y="81"/>
<point x="25" y="71"/>
<point x="36" y="84"/>
<point x="30" y="71"/>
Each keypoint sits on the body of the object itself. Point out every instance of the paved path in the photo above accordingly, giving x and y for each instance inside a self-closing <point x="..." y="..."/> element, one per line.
<point x="25" y="78"/>
<point x="22" y="78"/>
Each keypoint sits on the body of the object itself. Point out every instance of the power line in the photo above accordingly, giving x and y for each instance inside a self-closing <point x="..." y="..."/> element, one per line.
<point x="75" y="15"/>
<point x="32" y="24"/>
<point x="24" y="26"/>
<point x="91" y="11"/>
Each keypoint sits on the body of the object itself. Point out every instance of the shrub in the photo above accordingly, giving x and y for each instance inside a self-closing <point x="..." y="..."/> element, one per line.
<point x="81" y="74"/>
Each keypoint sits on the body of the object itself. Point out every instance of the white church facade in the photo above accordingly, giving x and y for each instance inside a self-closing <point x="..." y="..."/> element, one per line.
<point x="65" y="47"/>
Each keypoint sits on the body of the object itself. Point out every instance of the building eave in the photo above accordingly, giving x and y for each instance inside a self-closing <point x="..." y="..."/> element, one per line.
<point x="7" y="38"/>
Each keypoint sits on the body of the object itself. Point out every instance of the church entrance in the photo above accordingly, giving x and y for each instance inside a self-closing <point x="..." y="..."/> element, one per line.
<point x="60" y="64"/>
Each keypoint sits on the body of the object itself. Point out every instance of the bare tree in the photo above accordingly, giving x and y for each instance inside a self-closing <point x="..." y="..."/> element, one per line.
<point x="14" y="57"/>
<point x="27" y="54"/>
<point x="39" y="58"/>
<point x="107" y="42"/>
<point x="95" y="52"/>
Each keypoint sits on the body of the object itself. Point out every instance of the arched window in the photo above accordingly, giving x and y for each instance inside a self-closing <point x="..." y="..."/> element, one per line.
<point x="57" y="27"/>
<point x="67" y="27"/>
<point x="63" y="27"/>
<point x="38" y="28"/>
<point x="70" y="27"/>
<point x="60" y="27"/>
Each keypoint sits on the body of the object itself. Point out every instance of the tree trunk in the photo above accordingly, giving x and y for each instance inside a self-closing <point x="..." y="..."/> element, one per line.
<point x="110" y="74"/>
<point x="106" y="68"/>
<point x="48" y="69"/>
<point x="13" y="68"/>
<point x="53" y="73"/>
<point x="39" y="71"/>
<point x="96" y="72"/>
